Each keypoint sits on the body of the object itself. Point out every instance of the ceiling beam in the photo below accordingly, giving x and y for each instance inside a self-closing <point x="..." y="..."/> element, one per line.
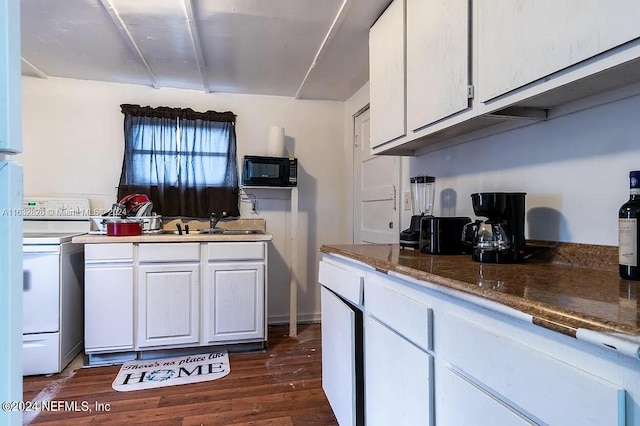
<point x="335" y="25"/>
<point x="126" y="35"/>
<point x="37" y="71"/>
<point x="195" y="40"/>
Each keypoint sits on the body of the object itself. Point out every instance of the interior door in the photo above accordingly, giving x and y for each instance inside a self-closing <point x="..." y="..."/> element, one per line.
<point x="376" y="185"/>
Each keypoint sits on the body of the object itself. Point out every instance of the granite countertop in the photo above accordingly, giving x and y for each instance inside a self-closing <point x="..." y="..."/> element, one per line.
<point x="589" y="303"/>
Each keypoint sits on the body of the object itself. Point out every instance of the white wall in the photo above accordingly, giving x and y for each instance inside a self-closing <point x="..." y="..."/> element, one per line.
<point x="574" y="169"/>
<point x="73" y="144"/>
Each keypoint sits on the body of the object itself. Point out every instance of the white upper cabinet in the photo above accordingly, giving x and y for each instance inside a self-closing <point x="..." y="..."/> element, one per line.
<point x="387" y="75"/>
<point x="419" y="66"/>
<point x="437" y="60"/>
<point x="522" y="41"/>
<point x="476" y="68"/>
<point x="10" y="90"/>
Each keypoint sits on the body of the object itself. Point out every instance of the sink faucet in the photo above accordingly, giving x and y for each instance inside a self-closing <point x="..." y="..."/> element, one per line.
<point x="214" y="219"/>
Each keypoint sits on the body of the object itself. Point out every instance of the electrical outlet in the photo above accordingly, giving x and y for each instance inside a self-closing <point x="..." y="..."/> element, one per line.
<point x="407" y="201"/>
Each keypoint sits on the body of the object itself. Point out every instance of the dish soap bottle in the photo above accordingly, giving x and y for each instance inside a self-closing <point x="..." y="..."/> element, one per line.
<point x="628" y="217"/>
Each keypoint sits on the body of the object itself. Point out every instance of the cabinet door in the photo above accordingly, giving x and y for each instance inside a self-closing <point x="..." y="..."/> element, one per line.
<point x="522" y="41"/>
<point x="387" y="75"/>
<point x="548" y="390"/>
<point x="10" y="84"/>
<point x="338" y="356"/>
<point x="398" y="379"/>
<point x="234" y="302"/>
<point x="168" y="304"/>
<point x="108" y="307"/>
<point x="437" y="60"/>
<point x="455" y="391"/>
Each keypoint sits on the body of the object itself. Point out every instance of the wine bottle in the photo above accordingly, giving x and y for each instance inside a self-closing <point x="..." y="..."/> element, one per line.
<point x="628" y="238"/>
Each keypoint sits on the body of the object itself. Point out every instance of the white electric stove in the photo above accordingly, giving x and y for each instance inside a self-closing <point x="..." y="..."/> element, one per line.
<point x="53" y="289"/>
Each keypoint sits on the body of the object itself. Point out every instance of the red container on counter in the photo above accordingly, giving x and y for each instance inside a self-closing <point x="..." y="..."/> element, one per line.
<point x="124" y="227"/>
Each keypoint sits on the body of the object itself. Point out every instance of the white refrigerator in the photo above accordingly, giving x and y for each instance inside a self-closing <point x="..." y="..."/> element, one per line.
<point x="10" y="213"/>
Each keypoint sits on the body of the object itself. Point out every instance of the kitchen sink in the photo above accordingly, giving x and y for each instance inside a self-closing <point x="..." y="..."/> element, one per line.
<point x="230" y="231"/>
<point x="216" y="231"/>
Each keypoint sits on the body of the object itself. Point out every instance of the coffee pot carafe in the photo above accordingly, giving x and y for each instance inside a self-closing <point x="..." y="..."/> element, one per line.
<point x="500" y="238"/>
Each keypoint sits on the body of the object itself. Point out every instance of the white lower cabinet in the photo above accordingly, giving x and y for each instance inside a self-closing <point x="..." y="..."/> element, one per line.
<point x="462" y="402"/>
<point x="108" y="298"/>
<point x="148" y="296"/>
<point x="168" y="304"/>
<point x="398" y="378"/>
<point x="433" y="358"/>
<point x="339" y="345"/>
<point x="528" y="381"/>
<point x="233" y="302"/>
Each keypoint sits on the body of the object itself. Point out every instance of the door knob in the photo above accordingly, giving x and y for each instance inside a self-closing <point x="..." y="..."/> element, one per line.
<point x="390" y="225"/>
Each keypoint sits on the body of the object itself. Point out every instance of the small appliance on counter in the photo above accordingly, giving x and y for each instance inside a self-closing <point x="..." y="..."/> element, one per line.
<point x="500" y="238"/>
<point x="443" y="235"/>
<point x="423" y="190"/>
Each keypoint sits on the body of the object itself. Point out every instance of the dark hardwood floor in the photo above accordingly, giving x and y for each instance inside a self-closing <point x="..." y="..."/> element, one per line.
<point x="279" y="387"/>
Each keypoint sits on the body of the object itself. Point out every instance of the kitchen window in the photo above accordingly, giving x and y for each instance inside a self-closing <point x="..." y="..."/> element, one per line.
<point x="185" y="161"/>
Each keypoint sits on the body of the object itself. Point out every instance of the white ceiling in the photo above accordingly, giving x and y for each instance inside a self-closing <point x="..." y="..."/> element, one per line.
<point x="309" y="49"/>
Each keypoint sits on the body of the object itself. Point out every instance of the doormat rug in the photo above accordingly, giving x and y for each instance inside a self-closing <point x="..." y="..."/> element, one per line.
<point x="156" y="373"/>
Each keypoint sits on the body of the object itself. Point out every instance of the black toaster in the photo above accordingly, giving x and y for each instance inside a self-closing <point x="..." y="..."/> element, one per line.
<point x="442" y="235"/>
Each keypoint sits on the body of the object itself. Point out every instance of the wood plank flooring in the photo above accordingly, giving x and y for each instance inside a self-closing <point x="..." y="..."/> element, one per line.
<point x="279" y="387"/>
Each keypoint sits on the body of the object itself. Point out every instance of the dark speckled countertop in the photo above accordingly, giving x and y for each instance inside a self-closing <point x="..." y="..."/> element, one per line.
<point x="573" y="300"/>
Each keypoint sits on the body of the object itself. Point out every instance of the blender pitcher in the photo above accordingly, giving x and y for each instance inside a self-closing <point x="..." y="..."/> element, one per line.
<point x="423" y="190"/>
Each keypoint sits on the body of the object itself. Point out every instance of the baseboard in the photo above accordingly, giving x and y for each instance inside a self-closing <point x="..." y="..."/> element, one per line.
<point x="302" y="319"/>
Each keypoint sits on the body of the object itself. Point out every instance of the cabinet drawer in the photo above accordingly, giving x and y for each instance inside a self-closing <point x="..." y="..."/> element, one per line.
<point x="235" y="251"/>
<point x="409" y="318"/>
<point x="543" y="388"/>
<point x="114" y="252"/>
<point x="169" y="252"/>
<point x="454" y="391"/>
<point x="345" y="282"/>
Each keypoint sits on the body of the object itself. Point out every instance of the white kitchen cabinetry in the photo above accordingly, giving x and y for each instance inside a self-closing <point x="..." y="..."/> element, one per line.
<point x="397" y="361"/>
<point x="398" y="378"/>
<point x="437" y="60"/>
<point x="529" y="382"/>
<point x="342" y="340"/>
<point x="462" y="402"/>
<point x="435" y="356"/>
<point x="521" y="42"/>
<point x="387" y="90"/>
<point x="476" y="71"/>
<point x="168" y="294"/>
<point x="234" y="293"/>
<point x="234" y="302"/>
<point x="151" y="296"/>
<point x="108" y="293"/>
<point x="424" y="79"/>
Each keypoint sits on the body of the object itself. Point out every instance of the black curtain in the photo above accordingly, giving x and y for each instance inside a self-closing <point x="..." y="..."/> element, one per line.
<point x="190" y="172"/>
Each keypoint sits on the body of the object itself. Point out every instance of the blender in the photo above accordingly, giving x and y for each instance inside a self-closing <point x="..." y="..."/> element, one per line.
<point x="423" y="189"/>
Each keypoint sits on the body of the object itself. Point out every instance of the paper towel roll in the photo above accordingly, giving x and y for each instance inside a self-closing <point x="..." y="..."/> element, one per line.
<point x="275" y="147"/>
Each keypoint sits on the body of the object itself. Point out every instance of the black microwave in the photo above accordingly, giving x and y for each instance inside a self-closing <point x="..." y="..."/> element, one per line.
<point x="269" y="171"/>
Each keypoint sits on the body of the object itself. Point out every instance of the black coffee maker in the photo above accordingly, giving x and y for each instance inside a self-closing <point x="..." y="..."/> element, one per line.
<point x="500" y="238"/>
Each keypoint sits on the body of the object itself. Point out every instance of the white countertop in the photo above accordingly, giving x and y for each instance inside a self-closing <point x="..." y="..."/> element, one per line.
<point x="169" y="238"/>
